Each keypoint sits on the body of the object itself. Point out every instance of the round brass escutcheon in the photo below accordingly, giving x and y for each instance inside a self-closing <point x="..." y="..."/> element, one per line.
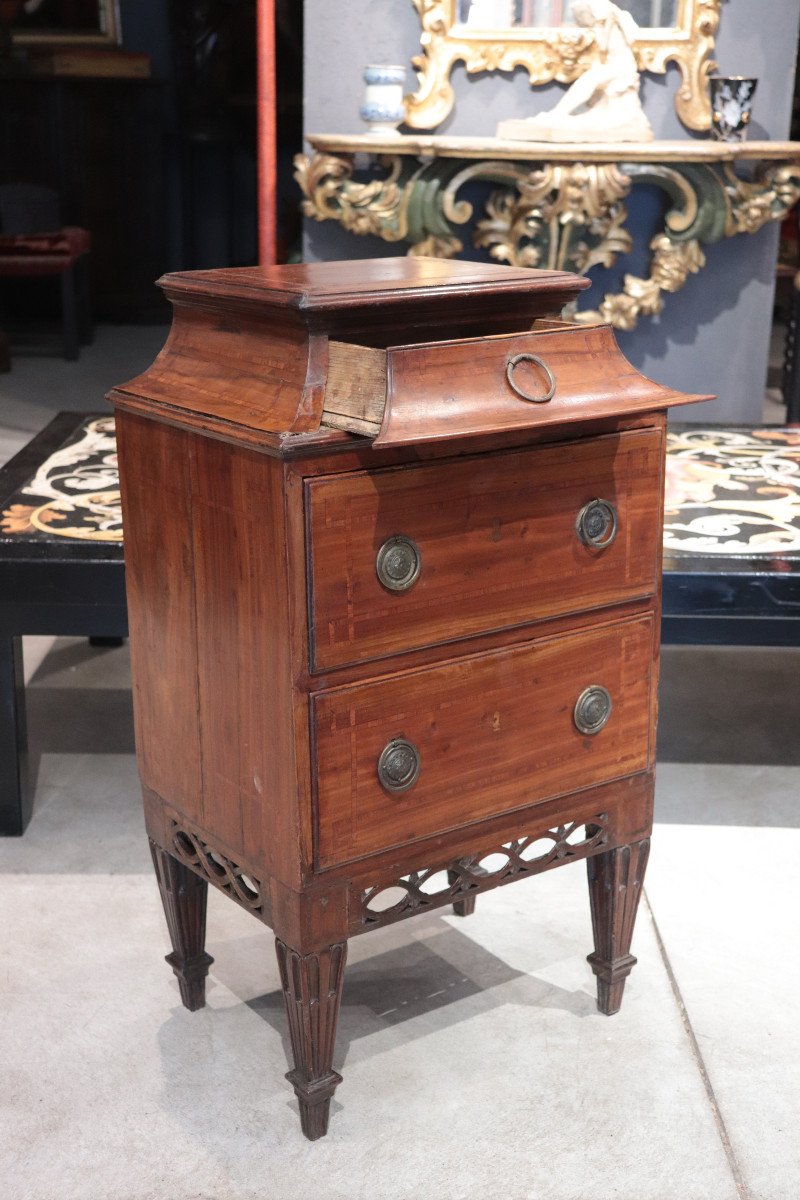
<point x="398" y="563"/>
<point x="592" y="709"/>
<point x="596" y="523"/>
<point x="511" y="366"/>
<point x="399" y="766"/>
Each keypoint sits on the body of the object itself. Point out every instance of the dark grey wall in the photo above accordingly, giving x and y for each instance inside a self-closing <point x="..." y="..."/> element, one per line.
<point x="713" y="336"/>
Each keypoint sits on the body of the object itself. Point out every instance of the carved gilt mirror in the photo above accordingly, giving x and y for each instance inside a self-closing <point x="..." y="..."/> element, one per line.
<point x="498" y="35"/>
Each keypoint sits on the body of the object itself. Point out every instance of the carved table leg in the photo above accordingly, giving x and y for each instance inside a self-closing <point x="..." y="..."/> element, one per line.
<point x="184" y="896"/>
<point x="16" y="793"/>
<point x="615" y="885"/>
<point x="312" y="990"/>
<point x="465" y="907"/>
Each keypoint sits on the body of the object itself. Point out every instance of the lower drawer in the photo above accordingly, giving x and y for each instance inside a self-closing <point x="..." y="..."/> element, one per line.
<point x="430" y="750"/>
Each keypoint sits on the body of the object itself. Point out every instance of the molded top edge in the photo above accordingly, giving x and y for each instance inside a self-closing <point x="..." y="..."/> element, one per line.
<point x="309" y="287"/>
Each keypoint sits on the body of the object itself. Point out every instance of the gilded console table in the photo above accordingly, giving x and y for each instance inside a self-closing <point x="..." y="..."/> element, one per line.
<point x="559" y="207"/>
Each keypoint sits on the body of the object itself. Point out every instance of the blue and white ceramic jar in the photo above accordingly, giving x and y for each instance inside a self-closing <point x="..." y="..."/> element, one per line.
<point x="383" y="108"/>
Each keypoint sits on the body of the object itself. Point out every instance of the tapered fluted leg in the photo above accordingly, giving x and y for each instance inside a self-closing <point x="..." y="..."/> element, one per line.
<point x="184" y="897"/>
<point x="615" y="885"/>
<point x="312" y="990"/>
<point x="465" y="907"/>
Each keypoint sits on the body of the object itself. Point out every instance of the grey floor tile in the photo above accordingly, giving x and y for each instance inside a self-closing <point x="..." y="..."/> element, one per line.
<point x="473" y="1055"/>
<point x="724" y="794"/>
<point x="39" y="386"/>
<point x="472" y="1051"/>
<point x="726" y="900"/>
<point x="729" y="705"/>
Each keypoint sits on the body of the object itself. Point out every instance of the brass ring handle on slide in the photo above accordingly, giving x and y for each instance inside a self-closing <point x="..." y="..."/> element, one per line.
<point x="511" y="367"/>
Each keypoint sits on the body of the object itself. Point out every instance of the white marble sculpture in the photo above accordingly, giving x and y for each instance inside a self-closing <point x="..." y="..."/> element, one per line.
<point x="603" y="104"/>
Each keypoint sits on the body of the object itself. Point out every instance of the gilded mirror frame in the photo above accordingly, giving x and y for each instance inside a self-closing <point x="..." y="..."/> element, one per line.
<point x="560" y="53"/>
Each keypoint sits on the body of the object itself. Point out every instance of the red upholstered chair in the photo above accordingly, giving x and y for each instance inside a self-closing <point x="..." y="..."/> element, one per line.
<point x="34" y="244"/>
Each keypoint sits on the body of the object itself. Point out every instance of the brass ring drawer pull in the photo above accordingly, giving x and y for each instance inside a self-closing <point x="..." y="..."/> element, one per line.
<point x="596" y="523"/>
<point x="399" y="563"/>
<point x="399" y="766"/>
<point x="592" y="709"/>
<point x="538" y="362"/>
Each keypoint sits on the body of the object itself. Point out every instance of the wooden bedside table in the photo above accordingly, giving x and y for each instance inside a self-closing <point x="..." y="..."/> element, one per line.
<point x="377" y="674"/>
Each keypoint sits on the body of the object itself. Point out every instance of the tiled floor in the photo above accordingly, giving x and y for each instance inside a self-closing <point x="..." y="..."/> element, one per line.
<point x="38" y="387"/>
<point x="472" y="1053"/>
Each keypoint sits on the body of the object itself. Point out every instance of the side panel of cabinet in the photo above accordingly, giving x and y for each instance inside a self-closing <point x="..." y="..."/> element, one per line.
<point x="210" y="644"/>
<point x="245" y="705"/>
<point x="157" y="511"/>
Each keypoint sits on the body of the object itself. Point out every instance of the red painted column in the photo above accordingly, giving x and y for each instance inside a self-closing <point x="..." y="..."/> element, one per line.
<point x="267" y="150"/>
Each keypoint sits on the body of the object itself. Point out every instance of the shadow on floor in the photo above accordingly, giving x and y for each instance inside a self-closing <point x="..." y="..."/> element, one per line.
<point x="730" y="705"/>
<point x="79" y="721"/>
<point x="423" y="980"/>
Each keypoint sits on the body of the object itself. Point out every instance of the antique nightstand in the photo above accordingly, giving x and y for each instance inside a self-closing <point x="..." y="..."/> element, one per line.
<point x="378" y="673"/>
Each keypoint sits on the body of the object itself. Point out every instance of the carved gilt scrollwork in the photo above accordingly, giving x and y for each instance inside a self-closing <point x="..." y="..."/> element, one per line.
<point x="557" y="215"/>
<point x="390" y="900"/>
<point x="402" y="205"/>
<point x="769" y="197"/>
<point x="377" y="206"/>
<point x="670" y="267"/>
<point x="562" y="216"/>
<point x="560" y="54"/>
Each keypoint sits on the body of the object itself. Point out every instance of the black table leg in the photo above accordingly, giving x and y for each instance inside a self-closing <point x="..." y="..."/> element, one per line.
<point x="16" y="794"/>
<point x="69" y="314"/>
<point x="84" y="298"/>
<point x="791" y="380"/>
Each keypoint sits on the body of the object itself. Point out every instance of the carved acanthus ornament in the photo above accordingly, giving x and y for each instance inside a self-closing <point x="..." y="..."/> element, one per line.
<point x="556" y="53"/>
<point x="753" y="204"/>
<point x="376" y="207"/>
<point x="671" y="265"/>
<point x="563" y="216"/>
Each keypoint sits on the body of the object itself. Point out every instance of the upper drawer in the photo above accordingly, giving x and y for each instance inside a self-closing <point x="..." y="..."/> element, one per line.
<point x="487" y="543"/>
<point x="425" y="751"/>
<point x="551" y="375"/>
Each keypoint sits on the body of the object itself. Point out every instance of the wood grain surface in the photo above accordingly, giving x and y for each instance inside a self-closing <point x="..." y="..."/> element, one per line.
<point x="494" y="732"/>
<point x="159" y="576"/>
<point x="210" y="645"/>
<point x="497" y="539"/>
<point x="460" y="387"/>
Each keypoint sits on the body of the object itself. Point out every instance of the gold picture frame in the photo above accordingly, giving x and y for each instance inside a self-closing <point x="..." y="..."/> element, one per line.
<point x="561" y="53"/>
<point x="59" y="32"/>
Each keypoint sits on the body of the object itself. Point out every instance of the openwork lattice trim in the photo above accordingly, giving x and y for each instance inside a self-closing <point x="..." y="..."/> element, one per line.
<point x="213" y="866"/>
<point x="383" y="903"/>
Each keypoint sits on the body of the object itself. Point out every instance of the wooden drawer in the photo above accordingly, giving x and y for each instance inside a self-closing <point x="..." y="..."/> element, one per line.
<point x="496" y="538"/>
<point x="494" y="732"/>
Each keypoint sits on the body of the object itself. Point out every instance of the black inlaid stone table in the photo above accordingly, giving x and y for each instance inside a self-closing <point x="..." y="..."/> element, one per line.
<point x="61" y="568"/>
<point x="732" y="536"/>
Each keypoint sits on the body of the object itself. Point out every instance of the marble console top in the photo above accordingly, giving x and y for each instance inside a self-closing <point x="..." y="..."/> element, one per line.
<point x="433" y="146"/>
